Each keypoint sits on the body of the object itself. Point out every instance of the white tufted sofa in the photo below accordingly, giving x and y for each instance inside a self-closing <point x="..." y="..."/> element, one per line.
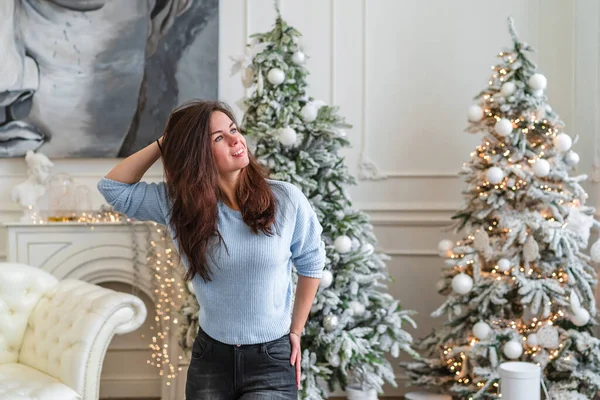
<point x="54" y="334"/>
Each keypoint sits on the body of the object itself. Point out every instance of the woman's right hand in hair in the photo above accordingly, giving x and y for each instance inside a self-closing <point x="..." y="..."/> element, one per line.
<point x="133" y="168"/>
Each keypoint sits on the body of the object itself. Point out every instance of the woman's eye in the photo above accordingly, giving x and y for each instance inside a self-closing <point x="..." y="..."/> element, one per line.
<point x="234" y="130"/>
<point x="218" y="138"/>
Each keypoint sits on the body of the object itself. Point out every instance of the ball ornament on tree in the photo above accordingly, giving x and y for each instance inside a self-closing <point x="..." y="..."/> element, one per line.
<point x="275" y="76"/>
<point x="503" y="265"/>
<point x="357" y="308"/>
<point x="462" y="283"/>
<point x="367" y="248"/>
<point x="445" y="246"/>
<point x="494" y="175"/>
<point x="503" y="127"/>
<point x="331" y="323"/>
<point x="342" y="244"/>
<point x="318" y="104"/>
<point x="532" y="340"/>
<point x="309" y="112"/>
<point x="512" y="349"/>
<point x="595" y="252"/>
<point x="571" y="158"/>
<point x="537" y="82"/>
<point x="287" y="136"/>
<point x="298" y="57"/>
<point x="562" y="142"/>
<point x="475" y="113"/>
<point x="538" y="93"/>
<point x="326" y="279"/>
<point x="482" y="330"/>
<point x="541" y="168"/>
<point x="508" y="88"/>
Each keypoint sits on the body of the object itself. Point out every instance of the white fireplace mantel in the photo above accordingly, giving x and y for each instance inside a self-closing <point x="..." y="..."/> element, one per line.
<point x="75" y="250"/>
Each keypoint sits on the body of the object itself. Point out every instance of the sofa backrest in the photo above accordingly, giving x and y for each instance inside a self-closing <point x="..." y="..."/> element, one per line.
<point x="21" y="287"/>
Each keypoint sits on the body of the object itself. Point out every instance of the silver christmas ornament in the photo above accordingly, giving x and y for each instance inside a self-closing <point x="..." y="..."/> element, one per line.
<point x="331" y="323"/>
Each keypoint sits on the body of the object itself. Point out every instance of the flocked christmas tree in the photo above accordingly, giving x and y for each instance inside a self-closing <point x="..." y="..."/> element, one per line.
<point x="353" y="323"/>
<point x="519" y="285"/>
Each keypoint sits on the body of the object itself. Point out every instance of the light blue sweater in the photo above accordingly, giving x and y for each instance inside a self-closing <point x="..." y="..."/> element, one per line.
<point x="250" y="297"/>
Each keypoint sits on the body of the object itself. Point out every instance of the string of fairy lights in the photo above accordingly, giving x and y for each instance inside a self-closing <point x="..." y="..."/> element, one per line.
<point x="168" y="290"/>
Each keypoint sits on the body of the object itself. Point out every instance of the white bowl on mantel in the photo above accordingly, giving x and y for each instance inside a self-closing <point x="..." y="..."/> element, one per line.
<point x="426" y="396"/>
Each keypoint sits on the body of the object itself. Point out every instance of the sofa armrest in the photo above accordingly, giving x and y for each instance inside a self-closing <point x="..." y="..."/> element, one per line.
<point x="70" y="329"/>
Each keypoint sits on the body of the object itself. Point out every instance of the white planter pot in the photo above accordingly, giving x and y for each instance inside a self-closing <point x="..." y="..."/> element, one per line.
<point x="520" y="380"/>
<point x="355" y="392"/>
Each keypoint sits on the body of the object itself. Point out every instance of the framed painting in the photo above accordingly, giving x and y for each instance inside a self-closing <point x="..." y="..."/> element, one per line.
<point x="98" y="78"/>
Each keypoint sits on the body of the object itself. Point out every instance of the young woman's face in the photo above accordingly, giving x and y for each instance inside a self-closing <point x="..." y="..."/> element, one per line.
<point x="227" y="144"/>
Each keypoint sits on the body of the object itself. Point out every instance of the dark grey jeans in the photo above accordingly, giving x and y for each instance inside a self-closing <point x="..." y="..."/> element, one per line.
<point x="219" y="371"/>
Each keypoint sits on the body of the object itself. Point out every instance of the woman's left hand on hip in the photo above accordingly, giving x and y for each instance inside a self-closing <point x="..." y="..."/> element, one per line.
<point x="296" y="357"/>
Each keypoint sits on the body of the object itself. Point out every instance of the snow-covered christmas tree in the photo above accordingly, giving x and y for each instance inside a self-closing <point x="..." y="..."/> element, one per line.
<point x="354" y="323"/>
<point x="519" y="285"/>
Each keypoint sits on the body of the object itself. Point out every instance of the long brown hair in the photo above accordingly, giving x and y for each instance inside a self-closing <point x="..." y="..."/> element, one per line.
<point x="192" y="184"/>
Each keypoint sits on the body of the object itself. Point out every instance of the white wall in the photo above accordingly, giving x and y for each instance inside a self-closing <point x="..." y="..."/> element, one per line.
<point x="404" y="73"/>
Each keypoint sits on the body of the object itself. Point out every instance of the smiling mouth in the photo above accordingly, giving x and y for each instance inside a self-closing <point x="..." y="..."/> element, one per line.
<point x="240" y="152"/>
<point x="18" y="137"/>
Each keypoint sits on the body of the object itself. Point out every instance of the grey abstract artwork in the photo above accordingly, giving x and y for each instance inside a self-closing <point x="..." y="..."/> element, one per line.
<point x="98" y="78"/>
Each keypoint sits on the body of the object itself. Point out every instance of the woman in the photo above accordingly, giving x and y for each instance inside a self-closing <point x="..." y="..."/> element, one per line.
<point x="238" y="234"/>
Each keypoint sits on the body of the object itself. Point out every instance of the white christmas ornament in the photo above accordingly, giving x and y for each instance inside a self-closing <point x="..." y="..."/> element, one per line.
<point x="462" y="283"/>
<point x="541" y="168"/>
<point x="572" y="158"/>
<point x="309" y="112"/>
<point x="507" y="89"/>
<point x="326" y="279"/>
<point x="538" y="93"/>
<point x="481" y="330"/>
<point x="357" y="308"/>
<point x="512" y="349"/>
<point x="276" y="76"/>
<point x="445" y="245"/>
<point x="562" y="142"/>
<point x="475" y="113"/>
<point x="503" y="264"/>
<point x="298" y="57"/>
<point x="318" y="104"/>
<point x="580" y="317"/>
<point x="287" y="136"/>
<point x="547" y="337"/>
<point x="331" y="322"/>
<point x="368" y="248"/>
<point x="494" y="175"/>
<point x="342" y="244"/>
<point x="532" y="340"/>
<point x="537" y="82"/>
<point x="595" y="252"/>
<point x="503" y="127"/>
